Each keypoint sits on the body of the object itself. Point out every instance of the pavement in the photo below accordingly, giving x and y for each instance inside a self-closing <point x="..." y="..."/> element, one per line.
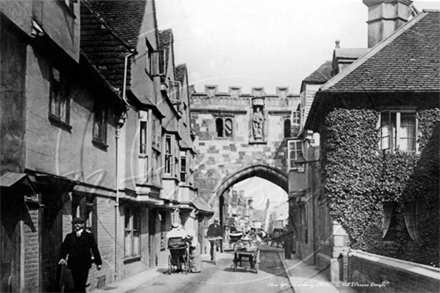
<point x="303" y="278"/>
<point x="306" y="279"/>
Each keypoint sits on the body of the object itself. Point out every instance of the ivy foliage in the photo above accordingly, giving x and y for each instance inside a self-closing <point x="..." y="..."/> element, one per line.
<point x="358" y="178"/>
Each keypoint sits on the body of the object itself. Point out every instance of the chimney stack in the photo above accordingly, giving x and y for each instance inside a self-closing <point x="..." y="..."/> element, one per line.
<point x="385" y="17"/>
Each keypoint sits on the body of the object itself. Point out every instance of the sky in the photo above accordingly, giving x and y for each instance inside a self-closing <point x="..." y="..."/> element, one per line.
<point x="262" y="43"/>
<point x="261" y="190"/>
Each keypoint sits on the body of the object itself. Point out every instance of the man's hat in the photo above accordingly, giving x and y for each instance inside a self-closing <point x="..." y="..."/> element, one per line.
<point x="78" y="220"/>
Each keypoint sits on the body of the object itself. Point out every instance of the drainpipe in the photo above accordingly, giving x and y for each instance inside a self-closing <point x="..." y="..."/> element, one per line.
<point x="119" y="125"/>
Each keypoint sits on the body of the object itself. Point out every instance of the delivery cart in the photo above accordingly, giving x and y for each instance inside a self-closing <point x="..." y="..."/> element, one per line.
<point x="248" y="252"/>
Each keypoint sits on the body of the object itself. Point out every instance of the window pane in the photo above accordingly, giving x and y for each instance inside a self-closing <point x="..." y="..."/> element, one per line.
<point x="408" y="132"/>
<point x="299" y="150"/>
<point x="127" y="217"/>
<point x="136" y="244"/>
<point x="127" y="244"/>
<point x="183" y="169"/>
<point x="143" y="138"/>
<point x="168" y="155"/>
<point x="219" y="127"/>
<point x="287" y="131"/>
<point x="228" y="127"/>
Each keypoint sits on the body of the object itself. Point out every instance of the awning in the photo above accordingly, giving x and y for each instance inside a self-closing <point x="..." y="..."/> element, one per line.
<point x="94" y="190"/>
<point x="53" y="184"/>
<point x="17" y="181"/>
<point x="144" y="198"/>
<point x="202" y="207"/>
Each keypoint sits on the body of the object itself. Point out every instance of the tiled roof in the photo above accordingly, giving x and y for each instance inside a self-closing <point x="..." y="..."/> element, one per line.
<point x="180" y="73"/>
<point x="408" y="61"/>
<point x="321" y="75"/>
<point x="103" y="47"/>
<point x="125" y="17"/>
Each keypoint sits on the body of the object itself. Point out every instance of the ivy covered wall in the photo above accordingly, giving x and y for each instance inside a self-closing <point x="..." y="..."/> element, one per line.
<point x="358" y="178"/>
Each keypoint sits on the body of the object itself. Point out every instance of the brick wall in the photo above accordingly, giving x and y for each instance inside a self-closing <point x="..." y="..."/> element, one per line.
<point x="106" y="241"/>
<point x="32" y="251"/>
<point x="384" y="274"/>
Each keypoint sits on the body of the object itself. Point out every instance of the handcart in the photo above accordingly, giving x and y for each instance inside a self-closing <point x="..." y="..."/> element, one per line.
<point x="215" y="241"/>
<point x="178" y="260"/>
<point x="246" y="251"/>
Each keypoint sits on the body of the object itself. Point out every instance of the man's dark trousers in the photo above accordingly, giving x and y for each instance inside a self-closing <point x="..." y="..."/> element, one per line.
<point x="80" y="279"/>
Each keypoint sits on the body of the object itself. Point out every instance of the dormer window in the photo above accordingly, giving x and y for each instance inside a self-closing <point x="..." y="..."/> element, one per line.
<point x="151" y="60"/>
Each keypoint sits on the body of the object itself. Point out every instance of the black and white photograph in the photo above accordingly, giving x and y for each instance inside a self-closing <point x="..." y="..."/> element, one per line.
<point x="207" y="146"/>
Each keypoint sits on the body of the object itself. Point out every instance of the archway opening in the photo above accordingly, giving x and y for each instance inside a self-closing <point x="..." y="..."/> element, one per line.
<point x="254" y="202"/>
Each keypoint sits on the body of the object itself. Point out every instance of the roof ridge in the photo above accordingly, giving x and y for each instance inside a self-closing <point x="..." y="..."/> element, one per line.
<point x="349" y="69"/>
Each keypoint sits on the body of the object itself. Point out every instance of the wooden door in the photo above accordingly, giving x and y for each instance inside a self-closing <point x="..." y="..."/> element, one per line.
<point x="10" y="213"/>
<point x="51" y="239"/>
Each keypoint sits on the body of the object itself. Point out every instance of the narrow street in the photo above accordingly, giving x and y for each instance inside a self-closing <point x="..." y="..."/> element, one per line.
<point x="271" y="277"/>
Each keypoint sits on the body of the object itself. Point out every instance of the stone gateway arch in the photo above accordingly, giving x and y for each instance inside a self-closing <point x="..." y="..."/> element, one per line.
<point x="239" y="136"/>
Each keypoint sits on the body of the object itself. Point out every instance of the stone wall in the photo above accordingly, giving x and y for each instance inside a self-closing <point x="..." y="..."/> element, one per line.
<point x="375" y="273"/>
<point x="220" y="157"/>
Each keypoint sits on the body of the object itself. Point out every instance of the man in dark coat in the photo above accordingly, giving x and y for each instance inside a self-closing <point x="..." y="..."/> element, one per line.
<point x="76" y="251"/>
<point x="214" y="230"/>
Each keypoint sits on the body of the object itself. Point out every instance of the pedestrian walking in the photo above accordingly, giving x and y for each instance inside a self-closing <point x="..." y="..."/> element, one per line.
<point x="77" y="251"/>
<point x="214" y="230"/>
<point x="194" y="252"/>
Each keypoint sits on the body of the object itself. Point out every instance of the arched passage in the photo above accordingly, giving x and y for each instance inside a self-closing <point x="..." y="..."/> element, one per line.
<point x="266" y="172"/>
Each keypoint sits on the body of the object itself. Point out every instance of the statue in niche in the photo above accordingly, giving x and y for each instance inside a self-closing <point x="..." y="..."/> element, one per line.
<point x="257" y="123"/>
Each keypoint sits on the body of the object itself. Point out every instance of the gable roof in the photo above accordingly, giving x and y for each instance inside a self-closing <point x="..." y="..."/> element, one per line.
<point x="319" y="76"/>
<point x="322" y="74"/>
<point x="407" y="61"/>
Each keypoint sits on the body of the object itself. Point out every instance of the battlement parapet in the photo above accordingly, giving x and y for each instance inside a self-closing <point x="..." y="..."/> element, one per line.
<point x="211" y="91"/>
